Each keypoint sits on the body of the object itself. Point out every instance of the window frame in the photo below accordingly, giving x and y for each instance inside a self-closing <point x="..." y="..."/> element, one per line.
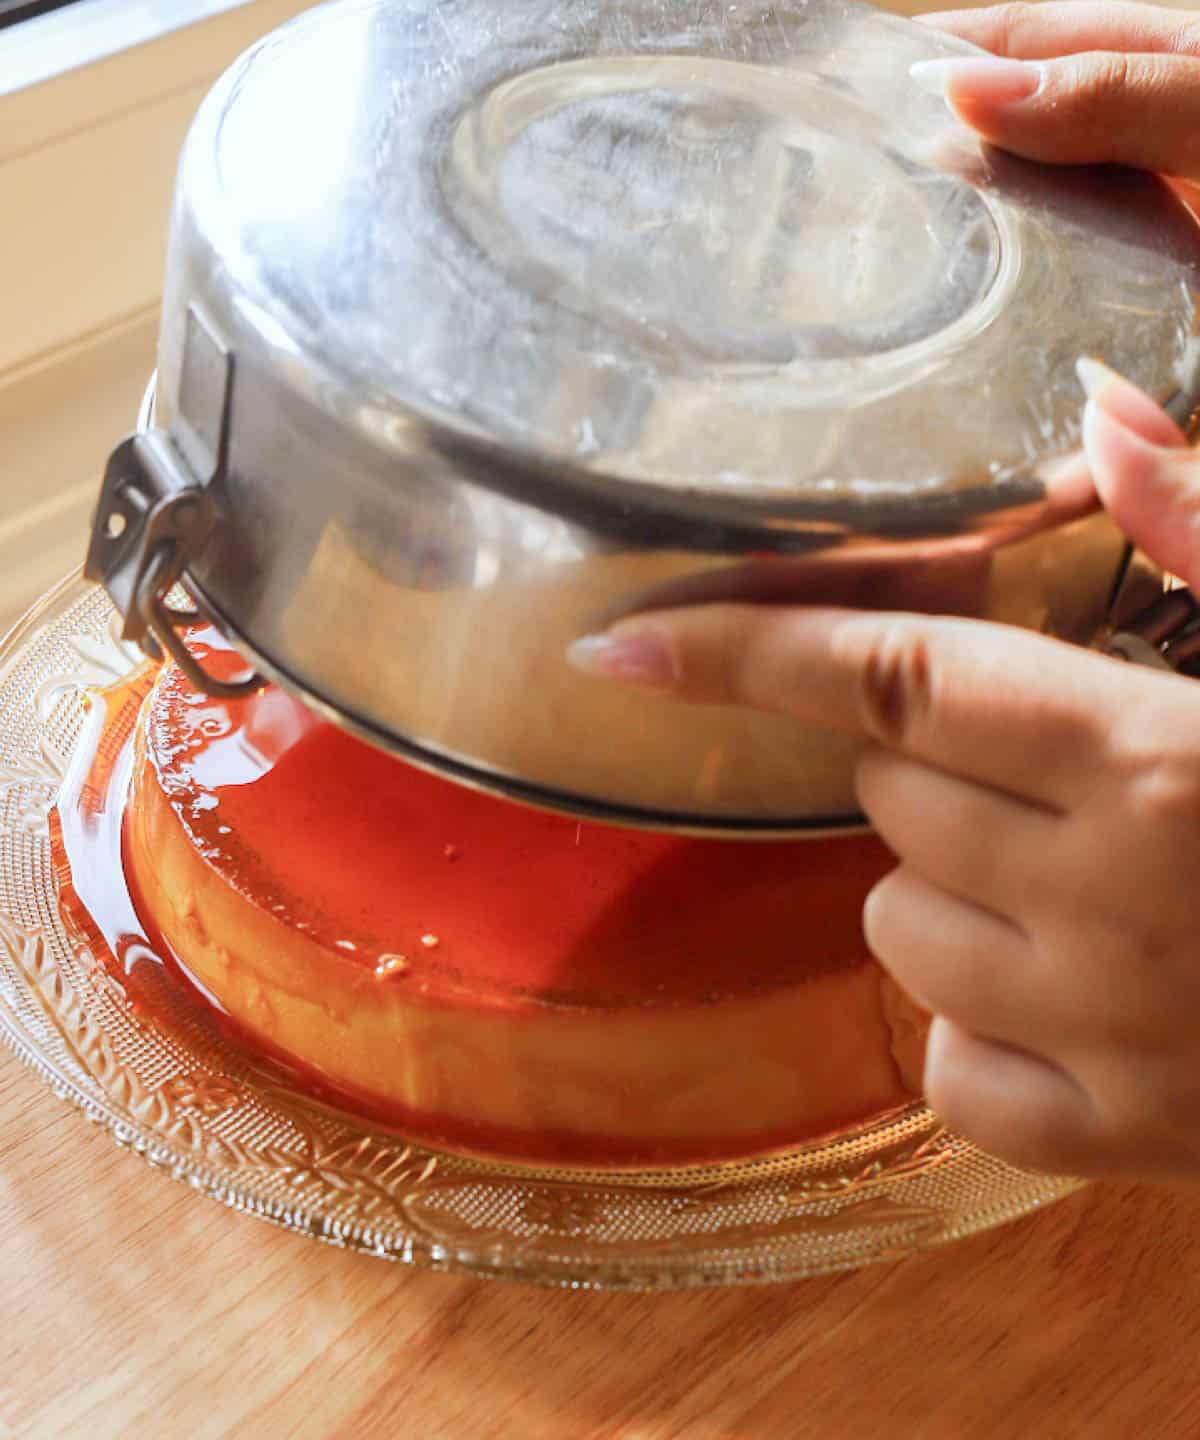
<point x="16" y="12"/>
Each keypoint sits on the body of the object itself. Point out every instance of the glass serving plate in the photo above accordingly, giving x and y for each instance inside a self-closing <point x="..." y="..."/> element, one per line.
<point x="174" y="1090"/>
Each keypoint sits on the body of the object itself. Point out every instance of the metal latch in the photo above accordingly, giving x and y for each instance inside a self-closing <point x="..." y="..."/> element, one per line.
<point x="156" y="512"/>
<point x="151" y="520"/>
<point x="1165" y="635"/>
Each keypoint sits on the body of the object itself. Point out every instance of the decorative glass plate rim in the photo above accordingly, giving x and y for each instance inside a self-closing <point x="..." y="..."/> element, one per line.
<point x="190" y="1105"/>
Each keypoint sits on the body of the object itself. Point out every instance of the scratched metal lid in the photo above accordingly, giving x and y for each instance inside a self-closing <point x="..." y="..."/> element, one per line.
<point x="487" y="322"/>
<point x="719" y="249"/>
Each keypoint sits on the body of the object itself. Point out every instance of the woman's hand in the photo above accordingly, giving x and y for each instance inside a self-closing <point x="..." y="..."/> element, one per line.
<point x="1078" y="82"/>
<point x="1044" y="805"/>
<point x="1043" y="802"/>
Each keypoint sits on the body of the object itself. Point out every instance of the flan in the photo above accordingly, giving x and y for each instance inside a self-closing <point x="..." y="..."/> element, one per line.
<point x="495" y="980"/>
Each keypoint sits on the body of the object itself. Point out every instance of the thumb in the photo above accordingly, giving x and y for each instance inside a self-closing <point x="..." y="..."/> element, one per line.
<point x="1104" y="107"/>
<point x="1144" y="471"/>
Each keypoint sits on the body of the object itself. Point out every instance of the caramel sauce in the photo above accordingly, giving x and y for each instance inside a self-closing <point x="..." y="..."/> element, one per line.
<point x="377" y="858"/>
<point x="423" y="884"/>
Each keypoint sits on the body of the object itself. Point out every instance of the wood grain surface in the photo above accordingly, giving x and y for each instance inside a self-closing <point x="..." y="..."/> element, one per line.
<point x="131" y="1307"/>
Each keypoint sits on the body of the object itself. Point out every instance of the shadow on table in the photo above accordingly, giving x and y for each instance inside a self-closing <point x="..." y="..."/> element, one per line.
<point x="1058" y="1325"/>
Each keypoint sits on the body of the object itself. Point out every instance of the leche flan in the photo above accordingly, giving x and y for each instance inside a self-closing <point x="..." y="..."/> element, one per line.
<point x="497" y="980"/>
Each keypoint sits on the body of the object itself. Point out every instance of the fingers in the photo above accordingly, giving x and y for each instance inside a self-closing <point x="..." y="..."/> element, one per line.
<point x="1103" y="107"/>
<point x="977" y="844"/>
<point x="973" y="700"/>
<point x="1012" y="1104"/>
<point x="1128" y="406"/>
<point x="1041" y="32"/>
<point x="1027" y="1110"/>
<point x="1147" y="478"/>
<point x="980" y="701"/>
<point x="958" y="960"/>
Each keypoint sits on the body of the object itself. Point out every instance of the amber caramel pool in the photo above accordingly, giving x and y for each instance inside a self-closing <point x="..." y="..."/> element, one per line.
<point x="474" y="974"/>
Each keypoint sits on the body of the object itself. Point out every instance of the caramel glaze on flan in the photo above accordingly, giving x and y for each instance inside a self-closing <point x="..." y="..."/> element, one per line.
<point x="497" y="980"/>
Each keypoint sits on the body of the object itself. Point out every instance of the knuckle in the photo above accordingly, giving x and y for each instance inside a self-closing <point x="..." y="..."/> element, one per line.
<point x="1185" y="39"/>
<point x="1166" y="795"/>
<point x="1094" y="82"/>
<point x="895" y="683"/>
<point x="1014" y="22"/>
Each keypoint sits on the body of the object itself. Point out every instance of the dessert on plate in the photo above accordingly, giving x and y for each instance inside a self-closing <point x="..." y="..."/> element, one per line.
<point x="499" y="980"/>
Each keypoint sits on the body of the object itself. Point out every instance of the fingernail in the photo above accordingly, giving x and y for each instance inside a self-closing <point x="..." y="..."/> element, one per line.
<point x="641" y="658"/>
<point x="982" y="79"/>
<point x="1123" y="402"/>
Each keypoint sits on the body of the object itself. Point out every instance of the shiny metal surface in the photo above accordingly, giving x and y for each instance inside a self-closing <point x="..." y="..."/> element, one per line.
<point x="544" y="311"/>
<point x="1165" y="635"/>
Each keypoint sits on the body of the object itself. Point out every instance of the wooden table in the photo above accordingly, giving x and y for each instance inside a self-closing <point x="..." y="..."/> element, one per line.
<point x="130" y="1307"/>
